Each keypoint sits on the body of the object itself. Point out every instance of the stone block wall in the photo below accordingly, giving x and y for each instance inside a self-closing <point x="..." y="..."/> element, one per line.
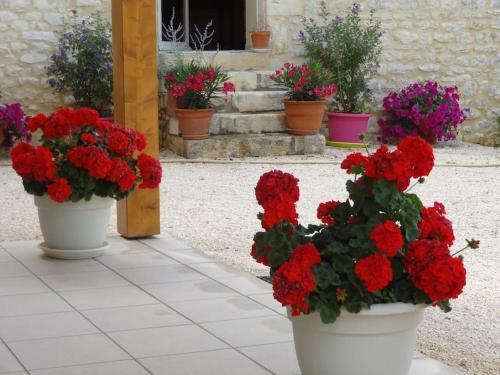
<point x="456" y="42"/>
<point x="28" y="37"/>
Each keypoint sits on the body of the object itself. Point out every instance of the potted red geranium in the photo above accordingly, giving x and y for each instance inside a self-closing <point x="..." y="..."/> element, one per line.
<point x="192" y="86"/>
<point x="307" y="86"/>
<point x="82" y="164"/>
<point x="371" y="267"/>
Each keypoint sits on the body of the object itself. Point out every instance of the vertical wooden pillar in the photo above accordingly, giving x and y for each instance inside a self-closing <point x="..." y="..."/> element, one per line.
<point x="135" y="78"/>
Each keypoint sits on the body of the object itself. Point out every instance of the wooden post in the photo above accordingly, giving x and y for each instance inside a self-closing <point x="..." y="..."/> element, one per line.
<point x="135" y="79"/>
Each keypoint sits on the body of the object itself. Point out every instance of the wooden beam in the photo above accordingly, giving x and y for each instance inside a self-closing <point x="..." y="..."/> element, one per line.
<point x="135" y="79"/>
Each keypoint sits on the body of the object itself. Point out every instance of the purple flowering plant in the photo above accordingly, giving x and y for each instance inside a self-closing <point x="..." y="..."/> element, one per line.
<point x="82" y="65"/>
<point x="426" y="109"/>
<point x="13" y="124"/>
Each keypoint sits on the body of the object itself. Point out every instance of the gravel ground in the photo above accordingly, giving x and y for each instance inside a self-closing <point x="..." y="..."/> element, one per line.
<point x="211" y="207"/>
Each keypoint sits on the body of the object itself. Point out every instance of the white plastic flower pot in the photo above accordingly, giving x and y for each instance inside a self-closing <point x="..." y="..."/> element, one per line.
<point x="378" y="341"/>
<point x="74" y="230"/>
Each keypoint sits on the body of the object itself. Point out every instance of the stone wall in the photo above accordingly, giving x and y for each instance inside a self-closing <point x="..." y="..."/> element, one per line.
<point x="456" y="42"/>
<point x="28" y="37"/>
<point x="453" y="41"/>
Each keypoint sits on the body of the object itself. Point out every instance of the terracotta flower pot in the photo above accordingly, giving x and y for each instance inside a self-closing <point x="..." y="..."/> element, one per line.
<point x="172" y="104"/>
<point x="260" y="39"/>
<point x="304" y="117"/>
<point x="346" y="127"/>
<point x="194" y="124"/>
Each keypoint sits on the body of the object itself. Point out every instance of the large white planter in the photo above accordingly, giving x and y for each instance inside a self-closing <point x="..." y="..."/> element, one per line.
<point x="378" y="341"/>
<point x="74" y="230"/>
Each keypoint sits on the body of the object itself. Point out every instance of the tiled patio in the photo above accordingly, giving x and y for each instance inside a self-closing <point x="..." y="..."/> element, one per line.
<point x="153" y="306"/>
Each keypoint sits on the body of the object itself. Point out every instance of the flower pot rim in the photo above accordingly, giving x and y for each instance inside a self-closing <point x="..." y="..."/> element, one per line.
<point x="95" y="200"/>
<point x="305" y="101"/>
<point x="377" y="309"/>
<point x="265" y="32"/>
<point x="344" y="114"/>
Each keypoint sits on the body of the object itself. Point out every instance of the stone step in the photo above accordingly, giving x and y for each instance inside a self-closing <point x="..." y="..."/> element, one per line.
<point x="250" y="101"/>
<point x="228" y="60"/>
<point x="247" y="145"/>
<point x="248" y="123"/>
<point x="251" y="80"/>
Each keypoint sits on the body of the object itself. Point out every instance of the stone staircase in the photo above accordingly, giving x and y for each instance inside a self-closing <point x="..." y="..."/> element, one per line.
<point x="251" y="123"/>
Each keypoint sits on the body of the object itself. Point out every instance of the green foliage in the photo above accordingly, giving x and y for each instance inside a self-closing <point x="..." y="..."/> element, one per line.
<point x="349" y="48"/>
<point x="82" y="65"/>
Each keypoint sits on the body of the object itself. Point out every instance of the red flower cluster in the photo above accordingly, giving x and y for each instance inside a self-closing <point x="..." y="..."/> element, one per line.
<point x="33" y="162"/>
<point x="277" y="193"/>
<point x="435" y="226"/>
<point x="294" y="280"/>
<point x="413" y="158"/>
<point x="103" y="149"/>
<point x="121" y="174"/>
<point x="63" y="122"/>
<point x="151" y="172"/>
<point x="387" y="238"/>
<point x="375" y="271"/>
<point x="93" y="159"/>
<point x="434" y="271"/>
<point x="59" y="191"/>
<point x="354" y="162"/>
<point x="325" y="212"/>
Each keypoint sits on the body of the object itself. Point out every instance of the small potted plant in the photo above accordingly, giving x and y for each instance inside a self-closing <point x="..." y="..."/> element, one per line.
<point x="81" y="165"/>
<point x="357" y="284"/>
<point x="193" y="85"/>
<point x="13" y="126"/>
<point x="82" y="65"/>
<point x="349" y="48"/>
<point x="427" y="109"/>
<point x="260" y="38"/>
<point x="307" y="87"/>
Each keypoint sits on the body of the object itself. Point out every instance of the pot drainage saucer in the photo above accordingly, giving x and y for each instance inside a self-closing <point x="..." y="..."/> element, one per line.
<point x="344" y="144"/>
<point x="74" y="254"/>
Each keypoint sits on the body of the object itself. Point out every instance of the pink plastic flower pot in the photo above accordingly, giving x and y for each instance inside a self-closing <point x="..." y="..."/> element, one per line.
<point x="346" y="127"/>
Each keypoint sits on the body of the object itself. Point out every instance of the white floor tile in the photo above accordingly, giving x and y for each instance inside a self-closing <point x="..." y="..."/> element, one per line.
<point x="167" y="340"/>
<point x="255" y="331"/>
<point x="219" y="362"/>
<point x="189" y="290"/>
<point x="158" y="275"/>
<point x="247" y="284"/>
<point x="152" y="259"/>
<point x="279" y="358"/>
<point x="214" y="310"/>
<point x="164" y="242"/>
<point x="107" y="297"/>
<point x="12" y="269"/>
<point x="10" y="286"/>
<point x="4" y="256"/>
<point x="111" y="368"/>
<point x="127" y="247"/>
<point x="28" y="304"/>
<point x="217" y="270"/>
<point x="84" y="280"/>
<point x="8" y="363"/>
<point x="429" y="366"/>
<point x="43" y="265"/>
<point x="44" y="326"/>
<point x="268" y="300"/>
<point x="135" y="317"/>
<point x="67" y="351"/>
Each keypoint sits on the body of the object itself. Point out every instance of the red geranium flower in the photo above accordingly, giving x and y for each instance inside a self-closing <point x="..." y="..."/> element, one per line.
<point x="88" y="138"/>
<point x="37" y="122"/>
<point x="435" y="226"/>
<point x="419" y="153"/>
<point x="44" y="167"/>
<point x="278" y="212"/>
<point x="375" y="271"/>
<point x="294" y="280"/>
<point x="151" y="171"/>
<point x="121" y="174"/>
<point x="276" y="186"/>
<point x="354" y="161"/>
<point x="262" y="259"/>
<point x="389" y="166"/>
<point x="325" y="211"/>
<point x="387" y="238"/>
<point x="59" y="190"/>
